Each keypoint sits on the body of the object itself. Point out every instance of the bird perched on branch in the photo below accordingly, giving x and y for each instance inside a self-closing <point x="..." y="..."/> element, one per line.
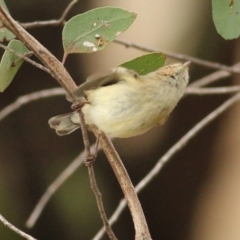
<point x="123" y="104"/>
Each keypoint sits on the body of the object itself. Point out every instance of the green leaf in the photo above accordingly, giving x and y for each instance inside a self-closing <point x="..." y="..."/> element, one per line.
<point x="146" y="63"/>
<point x="10" y="63"/>
<point x="5" y="34"/>
<point x="226" y="17"/>
<point x="94" y="30"/>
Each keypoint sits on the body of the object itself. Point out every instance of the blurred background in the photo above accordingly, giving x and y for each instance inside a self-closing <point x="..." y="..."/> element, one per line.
<point x="195" y="196"/>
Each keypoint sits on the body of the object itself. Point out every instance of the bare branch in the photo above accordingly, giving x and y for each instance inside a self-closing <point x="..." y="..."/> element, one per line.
<point x="24" y="57"/>
<point x="60" y="21"/>
<point x="76" y="163"/>
<point x="183" y="57"/>
<point x="121" y="206"/>
<point x="15" y="229"/>
<point x="55" y="67"/>
<point x="67" y="10"/>
<point x="101" y="209"/>
<point x="140" y="224"/>
<point x="186" y="138"/>
<point x="85" y="136"/>
<point x="213" y="77"/>
<point x="169" y="154"/>
<point x="89" y="160"/>
<point x="29" y="98"/>
<point x="208" y="91"/>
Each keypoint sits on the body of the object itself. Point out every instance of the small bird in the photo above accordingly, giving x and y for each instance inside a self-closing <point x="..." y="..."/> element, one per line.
<point x="122" y="103"/>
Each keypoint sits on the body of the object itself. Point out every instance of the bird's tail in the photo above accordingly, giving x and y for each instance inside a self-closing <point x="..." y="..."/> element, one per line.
<point x="63" y="124"/>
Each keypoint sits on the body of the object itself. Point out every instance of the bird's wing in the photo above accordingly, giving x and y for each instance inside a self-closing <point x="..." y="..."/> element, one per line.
<point x="96" y="80"/>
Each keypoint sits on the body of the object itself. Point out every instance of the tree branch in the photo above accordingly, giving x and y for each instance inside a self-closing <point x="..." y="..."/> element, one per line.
<point x="15" y="229"/>
<point x="89" y="160"/>
<point x="100" y="205"/>
<point x="76" y="163"/>
<point x="211" y="78"/>
<point x="24" y="57"/>
<point x="140" y="224"/>
<point x="57" y="22"/>
<point x="212" y="90"/>
<point x="29" y="98"/>
<point x="55" y="67"/>
<point x="197" y="61"/>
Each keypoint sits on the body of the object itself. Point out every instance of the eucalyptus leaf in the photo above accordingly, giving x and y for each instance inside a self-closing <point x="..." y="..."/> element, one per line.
<point x="146" y="63"/>
<point x="94" y="30"/>
<point x="226" y="17"/>
<point x="5" y="34"/>
<point x="10" y="63"/>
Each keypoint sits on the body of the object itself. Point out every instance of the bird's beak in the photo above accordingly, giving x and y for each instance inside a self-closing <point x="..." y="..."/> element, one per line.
<point x="187" y="64"/>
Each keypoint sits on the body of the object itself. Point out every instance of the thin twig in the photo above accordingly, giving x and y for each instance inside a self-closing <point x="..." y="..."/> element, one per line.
<point x="85" y="135"/>
<point x="186" y="138"/>
<point x="57" y="22"/>
<point x="56" y="184"/>
<point x="140" y="224"/>
<point x="198" y="61"/>
<point x="211" y="78"/>
<point x="89" y="160"/>
<point x="212" y="90"/>
<point x="29" y="98"/>
<point x="53" y="187"/>
<point x="169" y="154"/>
<point x="67" y="10"/>
<point x="15" y="229"/>
<point x="55" y="67"/>
<point x="24" y="57"/>
<point x="100" y="205"/>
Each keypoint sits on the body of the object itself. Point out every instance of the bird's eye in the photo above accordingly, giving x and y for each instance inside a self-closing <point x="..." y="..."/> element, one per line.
<point x="173" y="76"/>
<point x="135" y="75"/>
